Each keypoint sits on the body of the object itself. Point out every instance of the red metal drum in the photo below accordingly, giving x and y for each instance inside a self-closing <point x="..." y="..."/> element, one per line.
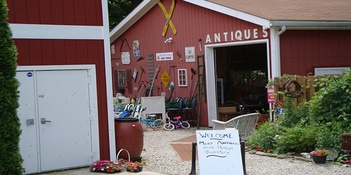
<point x="130" y="136"/>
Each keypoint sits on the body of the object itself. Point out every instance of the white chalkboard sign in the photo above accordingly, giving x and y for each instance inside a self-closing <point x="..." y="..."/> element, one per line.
<point x="219" y="152"/>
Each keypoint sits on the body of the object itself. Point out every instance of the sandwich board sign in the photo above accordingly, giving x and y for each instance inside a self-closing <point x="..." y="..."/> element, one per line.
<point x="219" y="152"/>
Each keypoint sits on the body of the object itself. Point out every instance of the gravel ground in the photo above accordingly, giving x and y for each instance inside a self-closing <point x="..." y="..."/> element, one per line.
<point x="162" y="158"/>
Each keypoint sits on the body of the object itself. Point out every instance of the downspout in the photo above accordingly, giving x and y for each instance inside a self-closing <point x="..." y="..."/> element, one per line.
<point x="277" y="48"/>
<point x="276" y="67"/>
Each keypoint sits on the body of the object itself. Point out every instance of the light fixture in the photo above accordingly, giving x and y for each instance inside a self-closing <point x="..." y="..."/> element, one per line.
<point x="168" y="40"/>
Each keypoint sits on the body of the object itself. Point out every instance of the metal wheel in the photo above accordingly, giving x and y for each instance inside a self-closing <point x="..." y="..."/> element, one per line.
<point x="185" y="124"/>
<point x="168" y="126"/>
<point x="158" y="123"/>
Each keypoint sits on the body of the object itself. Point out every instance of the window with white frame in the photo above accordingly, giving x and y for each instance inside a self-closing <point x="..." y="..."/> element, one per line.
<point x="182" y="77"/>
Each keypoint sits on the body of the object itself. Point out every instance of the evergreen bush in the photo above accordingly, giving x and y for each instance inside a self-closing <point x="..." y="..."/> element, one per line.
<point x="10" y="158"/>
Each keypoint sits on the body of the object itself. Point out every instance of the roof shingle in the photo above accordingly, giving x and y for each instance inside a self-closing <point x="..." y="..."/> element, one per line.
<point x="299" y="10"/>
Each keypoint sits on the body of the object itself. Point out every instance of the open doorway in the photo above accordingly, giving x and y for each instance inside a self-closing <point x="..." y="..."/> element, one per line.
<point x="241" y="75"/>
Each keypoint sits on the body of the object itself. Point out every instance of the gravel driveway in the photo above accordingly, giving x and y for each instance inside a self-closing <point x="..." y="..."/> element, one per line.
<point x="162" y="159"/>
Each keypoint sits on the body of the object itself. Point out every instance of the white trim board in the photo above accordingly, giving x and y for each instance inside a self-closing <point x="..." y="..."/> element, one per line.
<point x="108" y="79"/>
<point x="39" y="31"/>
<point x="329" y="70"/>
<point x="210" y="73"/>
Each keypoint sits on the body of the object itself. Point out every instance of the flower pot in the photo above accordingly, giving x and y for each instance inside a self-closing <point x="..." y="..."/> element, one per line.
<point x="138" y="169"/>
<point x="319" y="159"/>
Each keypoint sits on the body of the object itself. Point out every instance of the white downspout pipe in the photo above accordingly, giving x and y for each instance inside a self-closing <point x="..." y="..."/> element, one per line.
<point x="282" y="30"/>
<point x="276" y="67"/>
<point x="275" y="50"/>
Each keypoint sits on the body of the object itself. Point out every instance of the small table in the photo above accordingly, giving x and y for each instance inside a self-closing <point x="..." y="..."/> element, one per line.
<point x="226" y="112"/>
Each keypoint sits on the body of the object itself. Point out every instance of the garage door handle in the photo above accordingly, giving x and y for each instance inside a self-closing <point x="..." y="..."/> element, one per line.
<point x="43" y="121"/>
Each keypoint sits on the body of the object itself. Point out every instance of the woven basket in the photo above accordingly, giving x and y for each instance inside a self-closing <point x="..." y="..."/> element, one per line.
<point x="129" y="166"/>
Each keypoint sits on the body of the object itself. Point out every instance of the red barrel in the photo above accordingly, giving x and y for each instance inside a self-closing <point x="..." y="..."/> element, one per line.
<point x="130" y="136"/>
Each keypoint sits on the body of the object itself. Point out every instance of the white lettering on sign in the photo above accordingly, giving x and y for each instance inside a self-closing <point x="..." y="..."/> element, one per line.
<point x="237" y="35"/>
<point x="219" y="152"/>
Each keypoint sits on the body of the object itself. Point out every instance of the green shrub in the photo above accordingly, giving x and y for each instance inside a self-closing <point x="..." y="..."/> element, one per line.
<point x="293" y="114"/>
<point x="332" y="102"/>
<point x="297" y="139"/>
<point x="318" y="123"/>
<point x="329" y="135"/>
<point x="264" y="137"/>
<point x="10" y="158"/>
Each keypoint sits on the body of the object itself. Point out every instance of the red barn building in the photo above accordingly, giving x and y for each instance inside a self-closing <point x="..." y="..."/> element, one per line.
<point x="64" y="69"/>
<point x="240" y="44"/>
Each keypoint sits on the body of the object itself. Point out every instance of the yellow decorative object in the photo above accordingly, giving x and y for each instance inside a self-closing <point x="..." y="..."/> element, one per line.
<point x="168" y="16"/>
<point x="165" y="78"/>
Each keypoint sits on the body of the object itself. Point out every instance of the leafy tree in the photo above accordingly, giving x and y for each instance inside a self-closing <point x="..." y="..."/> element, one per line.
<point x="10" y="158"/>
<point x="119" y="9"/>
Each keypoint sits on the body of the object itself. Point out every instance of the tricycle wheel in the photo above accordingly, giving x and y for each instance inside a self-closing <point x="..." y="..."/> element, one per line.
<point x="168" y="126"/>
<point x="185" y="124"/>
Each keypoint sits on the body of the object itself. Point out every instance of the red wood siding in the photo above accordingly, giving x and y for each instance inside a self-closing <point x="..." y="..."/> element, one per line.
<point x="59" y="52"/>
<point x="71" y="12"/>
<point x="302" y="51"/>
<point x="192" y="24"/>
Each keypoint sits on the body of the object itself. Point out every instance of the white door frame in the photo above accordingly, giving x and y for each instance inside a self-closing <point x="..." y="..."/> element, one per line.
<point x="92" y="98"/>
<point x="211" y="73"/>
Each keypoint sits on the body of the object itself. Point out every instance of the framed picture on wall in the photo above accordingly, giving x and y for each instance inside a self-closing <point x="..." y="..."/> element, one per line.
<point x="125" y="58"/>
<point x="190" y="54"/>
<point x="165" y="56"/>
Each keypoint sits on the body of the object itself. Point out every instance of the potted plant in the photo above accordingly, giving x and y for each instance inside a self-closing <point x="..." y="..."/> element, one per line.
<point x="132" y="166"/>
<point x="112" y="167"/>
<point x="319" y="156"/>
<point x="105" y="166"/>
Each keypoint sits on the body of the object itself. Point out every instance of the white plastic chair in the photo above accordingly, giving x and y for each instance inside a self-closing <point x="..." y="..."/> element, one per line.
<point x="245" y="124"/>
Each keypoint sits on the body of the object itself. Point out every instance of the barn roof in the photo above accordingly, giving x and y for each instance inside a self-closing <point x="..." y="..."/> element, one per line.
<point x="312" y="10"/>
<point x="296" y="14"/>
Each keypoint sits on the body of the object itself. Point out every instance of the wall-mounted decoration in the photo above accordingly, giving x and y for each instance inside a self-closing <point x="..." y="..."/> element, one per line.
<point x="165" y="78"/>
<point x="136" y="48"/>
<point x="122" y="78"/>
<point x="200" y="44"/>
<point x="165" y="56"/>
<point x="135" y="74"/>
<point x="113" y="51"/>
<point x="125" y="58"/>
<point x="190" y="54"/>
<point x="124" y="41"/>
<point x="182" y="77"/>
<point x="179" y="55"/>
<point x="168" y="16"/>
<point x="140" y="58"/>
